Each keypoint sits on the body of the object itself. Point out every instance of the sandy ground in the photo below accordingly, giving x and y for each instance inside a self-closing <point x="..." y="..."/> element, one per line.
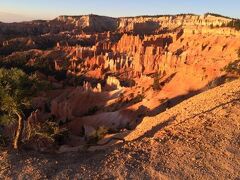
<point x="197" y="139"/>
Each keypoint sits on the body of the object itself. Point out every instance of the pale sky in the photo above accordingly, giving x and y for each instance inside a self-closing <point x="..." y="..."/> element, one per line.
<point x="17" y="10"/>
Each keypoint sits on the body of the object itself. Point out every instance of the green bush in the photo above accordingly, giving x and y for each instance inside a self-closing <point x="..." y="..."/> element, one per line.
<point x="156" y="82"/>
<point x="233" y="68"/>
<point x="137" y="99"/>
<point x="49" y="130"/>
<point x="234" y="24"/>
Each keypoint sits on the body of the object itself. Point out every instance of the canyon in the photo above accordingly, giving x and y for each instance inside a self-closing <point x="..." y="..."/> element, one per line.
<point x="116" y="76"/>
<point x="121" y="69"/>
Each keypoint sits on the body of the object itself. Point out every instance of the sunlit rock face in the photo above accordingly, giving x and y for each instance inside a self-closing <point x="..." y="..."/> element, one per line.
<point x="91" y="23"/>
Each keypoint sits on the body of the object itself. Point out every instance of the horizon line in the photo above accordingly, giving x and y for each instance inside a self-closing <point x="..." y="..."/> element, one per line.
<point x="103" y="15"/>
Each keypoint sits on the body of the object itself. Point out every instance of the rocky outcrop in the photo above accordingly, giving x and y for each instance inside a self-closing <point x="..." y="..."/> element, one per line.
<point x="91" y="23"/>
<point x="95" y="23"/>
<point x="112" y="83"/>
<point x="80" y="101"/>
<point x="170" y="21"/>
<point x="113" y="121"/>
<point x="119" y="70"/>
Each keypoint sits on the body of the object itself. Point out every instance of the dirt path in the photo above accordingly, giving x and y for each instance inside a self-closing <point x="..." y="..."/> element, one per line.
<point x="197" y="139"/>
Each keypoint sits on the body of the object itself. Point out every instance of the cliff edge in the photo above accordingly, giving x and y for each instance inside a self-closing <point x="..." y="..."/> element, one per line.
<point x="198" y="138"/>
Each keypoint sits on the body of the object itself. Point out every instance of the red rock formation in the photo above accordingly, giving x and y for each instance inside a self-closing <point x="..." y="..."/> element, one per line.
<point x="118" y="60"/>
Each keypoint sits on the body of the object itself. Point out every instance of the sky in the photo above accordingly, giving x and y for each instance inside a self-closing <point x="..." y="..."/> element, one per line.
<point x="18" y="10"/>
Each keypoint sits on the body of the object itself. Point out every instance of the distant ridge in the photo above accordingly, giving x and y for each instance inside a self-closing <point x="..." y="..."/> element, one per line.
<point x="146" y="16"/>
<point x="10" y="18"/>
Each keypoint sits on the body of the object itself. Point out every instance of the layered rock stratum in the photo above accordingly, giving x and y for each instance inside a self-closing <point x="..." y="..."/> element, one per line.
<point x="198" y="138"/>
<point x="127" y="77"/>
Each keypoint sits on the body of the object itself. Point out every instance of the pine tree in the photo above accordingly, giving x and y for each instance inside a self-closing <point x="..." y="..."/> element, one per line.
<point x="16" y="88"/>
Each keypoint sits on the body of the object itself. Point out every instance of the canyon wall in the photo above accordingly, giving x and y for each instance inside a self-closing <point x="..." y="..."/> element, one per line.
<point x="113" y="71"/>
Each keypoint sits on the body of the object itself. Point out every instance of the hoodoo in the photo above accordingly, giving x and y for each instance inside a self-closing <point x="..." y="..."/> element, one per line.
<point x="156" y="96"/>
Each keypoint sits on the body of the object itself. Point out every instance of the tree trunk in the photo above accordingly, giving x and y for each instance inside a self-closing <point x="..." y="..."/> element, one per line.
<point x="19" y="130"/>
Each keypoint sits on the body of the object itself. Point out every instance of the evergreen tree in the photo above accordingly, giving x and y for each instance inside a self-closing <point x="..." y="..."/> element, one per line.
<point x="16" y="88"/>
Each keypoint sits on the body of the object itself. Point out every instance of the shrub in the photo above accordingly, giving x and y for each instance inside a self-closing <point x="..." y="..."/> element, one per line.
<point x="92" y="111"/>
<point x="98" y="135"/>
<point x="137" y="99"/>
<point x="49" y="130"/>
<point x="233" y="68"/>
<point x="234" y="24"/>
<point x="156" y="84"/>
